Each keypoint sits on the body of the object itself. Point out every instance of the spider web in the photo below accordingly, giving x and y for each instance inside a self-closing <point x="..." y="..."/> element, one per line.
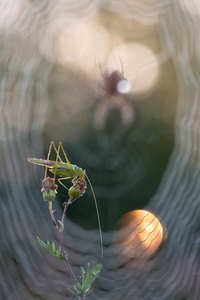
<point x="27" y="59"/>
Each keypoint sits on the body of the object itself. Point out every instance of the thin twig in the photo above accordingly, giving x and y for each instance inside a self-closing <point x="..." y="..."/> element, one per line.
<point x="67" y="204"/>
<point x="60" y="238"/>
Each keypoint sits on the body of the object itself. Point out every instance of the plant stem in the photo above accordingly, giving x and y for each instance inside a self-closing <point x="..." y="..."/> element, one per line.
<point x="67" y="204"/>
<point x="60" y="237"/>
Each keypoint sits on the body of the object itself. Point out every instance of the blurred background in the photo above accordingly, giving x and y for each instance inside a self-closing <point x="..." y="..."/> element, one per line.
<point x="137" y="137"/>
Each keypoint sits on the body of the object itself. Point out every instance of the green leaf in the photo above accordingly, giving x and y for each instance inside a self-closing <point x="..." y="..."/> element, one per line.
<point x="41" y="243"/>
<point x="73" y="292"/>
<point x="83" y="272"/>
<point x="62" y="226"/>
<point x="87" y="279"/>
<point x="51" y="248"/>
<point x="48" y="246"/>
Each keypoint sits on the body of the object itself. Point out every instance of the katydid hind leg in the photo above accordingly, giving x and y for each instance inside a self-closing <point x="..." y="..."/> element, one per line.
<point x="57" y="151"/>
<point x="52" y="145"/>
<point x="60" y="181"/>
<point x="61" y="148"/>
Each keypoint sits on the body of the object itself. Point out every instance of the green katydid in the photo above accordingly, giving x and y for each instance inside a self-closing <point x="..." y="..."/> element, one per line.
<point x="63" y="170"/>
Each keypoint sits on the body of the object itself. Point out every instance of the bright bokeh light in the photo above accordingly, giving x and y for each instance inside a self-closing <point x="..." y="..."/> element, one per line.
<point x="141" y="235"/>
<point x="82" y="44"/>
<point x="140" y="65"/>
<point x="123" y="86"/>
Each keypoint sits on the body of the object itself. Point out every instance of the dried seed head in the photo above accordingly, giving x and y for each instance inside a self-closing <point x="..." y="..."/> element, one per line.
<point x="78" y="188"/>
<point x="49" y="189"/>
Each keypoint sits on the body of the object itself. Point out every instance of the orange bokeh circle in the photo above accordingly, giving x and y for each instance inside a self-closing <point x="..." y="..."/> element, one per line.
<point x="141" y="235"/>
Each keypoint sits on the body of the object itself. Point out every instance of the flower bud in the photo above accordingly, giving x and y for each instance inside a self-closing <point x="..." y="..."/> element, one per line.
<point x="49" y="195"/>
<point x="78" y="188"/>
<point x="49" y="189"/>
<point x="74" y="192"/>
